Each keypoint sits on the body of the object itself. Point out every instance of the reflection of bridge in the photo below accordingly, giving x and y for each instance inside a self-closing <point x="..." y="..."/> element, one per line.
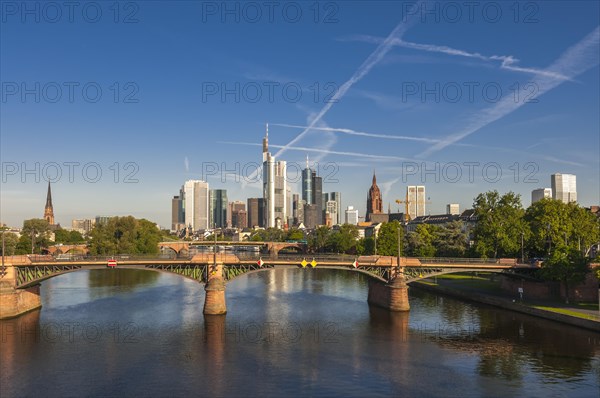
<point x="387" y="281"/>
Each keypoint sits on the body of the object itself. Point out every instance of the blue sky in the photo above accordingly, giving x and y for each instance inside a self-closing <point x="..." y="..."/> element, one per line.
<point x="461" y="100"/>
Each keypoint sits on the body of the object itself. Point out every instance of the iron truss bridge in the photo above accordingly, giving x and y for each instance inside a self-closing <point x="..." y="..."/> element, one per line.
<point x="35" y="272"/>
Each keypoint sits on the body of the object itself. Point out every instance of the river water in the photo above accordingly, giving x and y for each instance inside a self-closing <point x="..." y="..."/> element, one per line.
<point x="288" y="332"/>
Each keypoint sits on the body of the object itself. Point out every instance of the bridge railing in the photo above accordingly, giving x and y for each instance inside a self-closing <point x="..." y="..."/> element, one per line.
<point x="73" y="259"/>
<point x="458" y="260"/>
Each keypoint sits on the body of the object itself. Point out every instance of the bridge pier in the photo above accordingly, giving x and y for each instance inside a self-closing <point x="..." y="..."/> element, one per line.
<point x="214" y="300"/>
<point x="13" y="301"/>
<point x="392" y="296"/>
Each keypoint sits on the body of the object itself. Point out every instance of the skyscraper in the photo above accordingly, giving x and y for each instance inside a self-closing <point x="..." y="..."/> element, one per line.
<point x="218" y="208"/>
<point x="416" y="200"/>
<point x="274" y="188"/>
<point x="453" y="208"/>
<point x="298" y="209"/>
<point x="255" y="212"/>
<point x="374" y="199"/>
<point x="540" y="193"/>
<point x="351" y="215"/>
<point x="196" y="204"/>
<point x="331" y="208"/>
<point x="49" y="209"/>
<point x="317" y="197"/>
<point x="176" y="213"/>
<point x="236" y="218"/>
<point x="307" y="195"/>
<point x="564" y="187"/>
<point x="337" y="198"/>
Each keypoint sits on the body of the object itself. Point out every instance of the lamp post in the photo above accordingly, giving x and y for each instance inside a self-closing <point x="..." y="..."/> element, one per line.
<point x="215" y="247"/>
<point x="522" y="249"/>
<point x="399" y="268"/>
<point x="375" y="234"/>
<point x="549" y="240"/>
<point x="32" y="239"/>
<point x="3" y="269"/>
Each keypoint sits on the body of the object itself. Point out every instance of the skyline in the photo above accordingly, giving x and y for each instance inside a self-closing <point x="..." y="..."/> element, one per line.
<point x="407" y="91"/>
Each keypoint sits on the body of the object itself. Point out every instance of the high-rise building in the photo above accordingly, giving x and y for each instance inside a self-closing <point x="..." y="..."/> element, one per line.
<point x="83" y="226"/>
<point x="238" y="218"/>
<point x="541" y="193"/>
<point x="102" y="220"/>
<point x="274" y="188"/>
<point x="317" y="197"/>
<point x="196" y="204"/>
<point x="374" y="199"/>
<point x="351" y="215"/>
<point x="255" y="212"/>
<point x="337" y="198"/>
<point x="416" y="201"/>
<point x="311" y="216"/>
<point x="49" y="209"/>
<point x="298" y="209"/>
<point x="453" y="208"/>
<point x="564" y="187"/>
<point x="331" y="209"/>
<point x="218" y="208"/>
<point x="177" y="213"/>
<point x="307" y="195"/>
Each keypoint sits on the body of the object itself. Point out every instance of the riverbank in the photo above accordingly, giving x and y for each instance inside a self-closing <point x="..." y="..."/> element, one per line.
<point x="487" y="291"/>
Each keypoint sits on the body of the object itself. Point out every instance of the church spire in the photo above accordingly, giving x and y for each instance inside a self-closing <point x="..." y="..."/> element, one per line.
<point x="49" y="210"/>
<point x="374" y="178"/>
<point x="49" y="196"/>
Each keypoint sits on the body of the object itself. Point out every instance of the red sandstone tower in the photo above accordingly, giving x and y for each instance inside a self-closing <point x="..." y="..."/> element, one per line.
<point x="374" y="200"/>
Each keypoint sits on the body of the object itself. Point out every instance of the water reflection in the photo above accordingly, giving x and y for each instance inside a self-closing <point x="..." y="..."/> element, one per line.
<point x="106" y="282"/>
<point x="507" y="342"/>
<point x="288" y="332"/>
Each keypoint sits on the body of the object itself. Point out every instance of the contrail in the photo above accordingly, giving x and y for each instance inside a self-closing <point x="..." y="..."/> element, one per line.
<point x="361" y="133"/>
<point x="576" y="60"/>
<point x="373" y="59"/>
<point x="508" y="62"/>
<point x="318" y="150"/>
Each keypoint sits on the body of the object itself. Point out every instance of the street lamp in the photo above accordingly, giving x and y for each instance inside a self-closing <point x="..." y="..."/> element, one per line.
<point x="3" y="269"/>
<point x="522" y="250"/>
<point x="399" y="268"/>
<point x="32" y="239"/>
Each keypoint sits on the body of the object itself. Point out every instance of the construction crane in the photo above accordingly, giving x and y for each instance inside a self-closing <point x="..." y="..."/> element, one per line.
<point x="407" y="203"/>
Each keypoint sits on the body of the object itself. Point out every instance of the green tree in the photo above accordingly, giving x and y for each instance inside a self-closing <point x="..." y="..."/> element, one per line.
<point x="67" y="237"/>
<point x="424" y="243"/>
<point x="268" y="235"/>
<point x="368" y="245"/>
<point x="566" y="266"/>
<point x="10" y="243"/>
<point x="295" y="234"/>
<point x="451" y="240"/>
<point x="40" y="230"/>
<point x="500" y="223"/>
<point x="317" y="241"/>
<point x="560" y="226"/>
<point x="125" y="235"/>
<point x="387" y="239"/>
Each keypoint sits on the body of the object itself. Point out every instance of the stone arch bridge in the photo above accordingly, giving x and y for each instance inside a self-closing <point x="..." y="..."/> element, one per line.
<point x="21" y="275"/>
<point x="272" y="248"/>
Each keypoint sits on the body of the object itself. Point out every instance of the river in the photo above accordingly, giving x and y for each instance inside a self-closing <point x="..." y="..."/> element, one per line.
<point x="288" y="332"/>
